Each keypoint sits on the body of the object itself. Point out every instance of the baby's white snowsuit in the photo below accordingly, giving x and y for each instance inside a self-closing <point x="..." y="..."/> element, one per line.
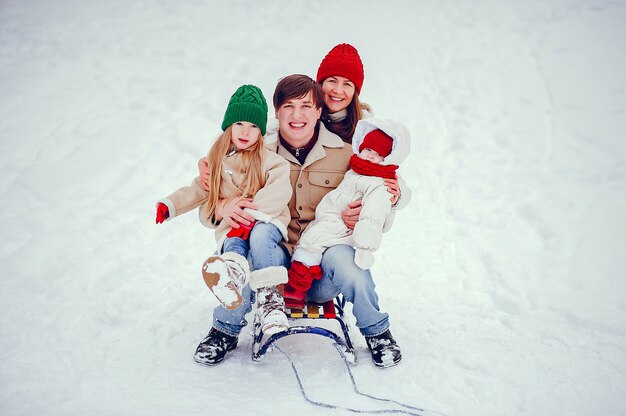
<point x="328" y="228"/>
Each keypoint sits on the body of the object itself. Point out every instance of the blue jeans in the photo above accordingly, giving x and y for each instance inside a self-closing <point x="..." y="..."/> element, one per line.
<point x="236" y="245"/>
<point x="340" y="275"/>
<point x="264" y="251"/>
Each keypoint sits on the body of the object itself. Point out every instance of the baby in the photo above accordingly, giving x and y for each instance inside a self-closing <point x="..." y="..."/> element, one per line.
<point x="379" y="146"/>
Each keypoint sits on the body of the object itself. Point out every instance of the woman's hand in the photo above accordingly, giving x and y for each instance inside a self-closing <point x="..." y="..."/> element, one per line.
<point x="231" y="211"/>
<point x="205" y="173"/>
<point x="350" y="215"/>
<point x="394" y="189"/>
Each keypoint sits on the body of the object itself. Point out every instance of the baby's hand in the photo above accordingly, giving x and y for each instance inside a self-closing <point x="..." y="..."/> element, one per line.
<point x="364" y="258"/>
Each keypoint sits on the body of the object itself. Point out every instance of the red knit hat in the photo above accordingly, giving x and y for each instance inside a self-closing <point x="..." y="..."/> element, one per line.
<point x="378" y="141"/>
<point x="344" y="61"/>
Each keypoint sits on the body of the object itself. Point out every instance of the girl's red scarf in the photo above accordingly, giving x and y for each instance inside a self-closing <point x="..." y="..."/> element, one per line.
<point x="367" y="168"/>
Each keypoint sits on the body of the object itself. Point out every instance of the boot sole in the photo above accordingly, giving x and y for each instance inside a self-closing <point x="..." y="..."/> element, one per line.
<point x="272" y="329"/>
<point x="274" y="325"/>
<point x="209" y="363"/>
<point x="216" y="276"/>
<point x="388" y="364"/>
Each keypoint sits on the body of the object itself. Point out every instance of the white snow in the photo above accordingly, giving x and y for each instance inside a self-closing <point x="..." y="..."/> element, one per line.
<point x="505" y="277"/>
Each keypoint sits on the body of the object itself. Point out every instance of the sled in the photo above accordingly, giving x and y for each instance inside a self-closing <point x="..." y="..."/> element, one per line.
<point x="331" y="310"/>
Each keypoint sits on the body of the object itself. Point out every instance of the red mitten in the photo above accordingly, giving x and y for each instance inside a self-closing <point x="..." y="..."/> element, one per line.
<point x="242" y="232"/>
<point x="162" y="213"/>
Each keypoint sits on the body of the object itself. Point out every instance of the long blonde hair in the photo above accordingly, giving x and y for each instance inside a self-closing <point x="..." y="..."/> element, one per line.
<point x="252" y="168"/>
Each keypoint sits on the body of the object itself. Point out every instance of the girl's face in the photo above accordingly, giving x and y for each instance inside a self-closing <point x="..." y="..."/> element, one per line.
<point x="244" y="134"/>
<point x="338" y="93"/>
<point x="371" y="155"/>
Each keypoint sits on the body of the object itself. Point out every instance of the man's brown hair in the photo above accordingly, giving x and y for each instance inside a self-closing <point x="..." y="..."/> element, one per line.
<point x="297" y="86"/>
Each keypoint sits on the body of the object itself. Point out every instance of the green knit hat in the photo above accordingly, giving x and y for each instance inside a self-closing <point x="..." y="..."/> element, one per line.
<point x="247" y="104"/>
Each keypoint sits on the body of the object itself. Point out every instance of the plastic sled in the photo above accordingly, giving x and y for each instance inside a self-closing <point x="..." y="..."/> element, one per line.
<point x="312" y="311"/>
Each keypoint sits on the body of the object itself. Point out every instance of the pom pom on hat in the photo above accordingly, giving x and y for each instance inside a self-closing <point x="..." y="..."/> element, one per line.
<point x="343" y="60"/>
<point x="247" y="104"/>
<point x="378" y="141"/>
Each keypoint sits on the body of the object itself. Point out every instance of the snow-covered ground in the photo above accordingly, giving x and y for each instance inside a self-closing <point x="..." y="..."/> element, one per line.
<point x="505" y="277"/>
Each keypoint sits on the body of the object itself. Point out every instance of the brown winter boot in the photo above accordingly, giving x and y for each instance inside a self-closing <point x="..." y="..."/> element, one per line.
<point x="226" y="275"/>
<point x="270" y="306"/>
<point x="270" y="303"/>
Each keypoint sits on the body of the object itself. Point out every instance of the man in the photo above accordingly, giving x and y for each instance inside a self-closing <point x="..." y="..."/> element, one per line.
<point x="319" y="160"/>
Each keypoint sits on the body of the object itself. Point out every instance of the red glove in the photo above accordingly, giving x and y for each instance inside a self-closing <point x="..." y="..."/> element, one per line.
<point x="163" y="213"/>
<point x="242" y="232"/>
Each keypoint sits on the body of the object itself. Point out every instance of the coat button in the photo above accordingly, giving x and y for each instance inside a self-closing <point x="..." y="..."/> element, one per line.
<point x="300" y="208"/>
<point x="326" y="181"/>
<point x="299" y="185"/>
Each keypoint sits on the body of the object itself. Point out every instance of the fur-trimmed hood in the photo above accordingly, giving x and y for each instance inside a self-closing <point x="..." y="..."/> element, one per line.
<point x="398" y="132"/>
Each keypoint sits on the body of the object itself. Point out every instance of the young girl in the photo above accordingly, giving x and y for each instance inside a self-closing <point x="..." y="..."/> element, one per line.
<point x="241" y="169"/>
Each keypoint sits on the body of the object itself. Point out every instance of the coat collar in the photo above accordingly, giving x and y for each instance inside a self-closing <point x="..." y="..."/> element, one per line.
<point x="325" y="139"/>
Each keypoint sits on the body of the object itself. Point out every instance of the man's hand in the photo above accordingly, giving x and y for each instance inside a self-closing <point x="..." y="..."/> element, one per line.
<point x="232" y="211"/>
<point x="205" y="173"/>
<point x="350" y="215"/>
<point x="394" y="189"/>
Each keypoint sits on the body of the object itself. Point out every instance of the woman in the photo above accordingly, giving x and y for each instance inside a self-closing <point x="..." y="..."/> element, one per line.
<point x="341" y="76"/>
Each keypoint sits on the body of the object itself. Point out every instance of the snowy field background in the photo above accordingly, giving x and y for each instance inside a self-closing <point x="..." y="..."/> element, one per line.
<point x="505" y="277"/>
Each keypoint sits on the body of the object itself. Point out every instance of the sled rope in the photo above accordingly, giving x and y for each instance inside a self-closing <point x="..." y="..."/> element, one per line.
<point x="356" y="390"/>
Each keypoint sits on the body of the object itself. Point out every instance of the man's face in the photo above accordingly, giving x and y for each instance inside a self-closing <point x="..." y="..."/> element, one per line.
<point x="297" y="119"/>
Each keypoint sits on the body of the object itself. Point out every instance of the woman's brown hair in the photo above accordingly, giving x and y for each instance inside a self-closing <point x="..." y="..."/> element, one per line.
<point x="345" y="128"/>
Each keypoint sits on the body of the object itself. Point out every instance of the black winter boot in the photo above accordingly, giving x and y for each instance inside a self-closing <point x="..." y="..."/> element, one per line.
<point x="214" y="347"/>
<point x="385" y="351"/>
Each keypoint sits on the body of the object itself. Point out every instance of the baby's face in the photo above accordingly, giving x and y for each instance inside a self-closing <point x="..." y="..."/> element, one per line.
<point x="371" y="155"/>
